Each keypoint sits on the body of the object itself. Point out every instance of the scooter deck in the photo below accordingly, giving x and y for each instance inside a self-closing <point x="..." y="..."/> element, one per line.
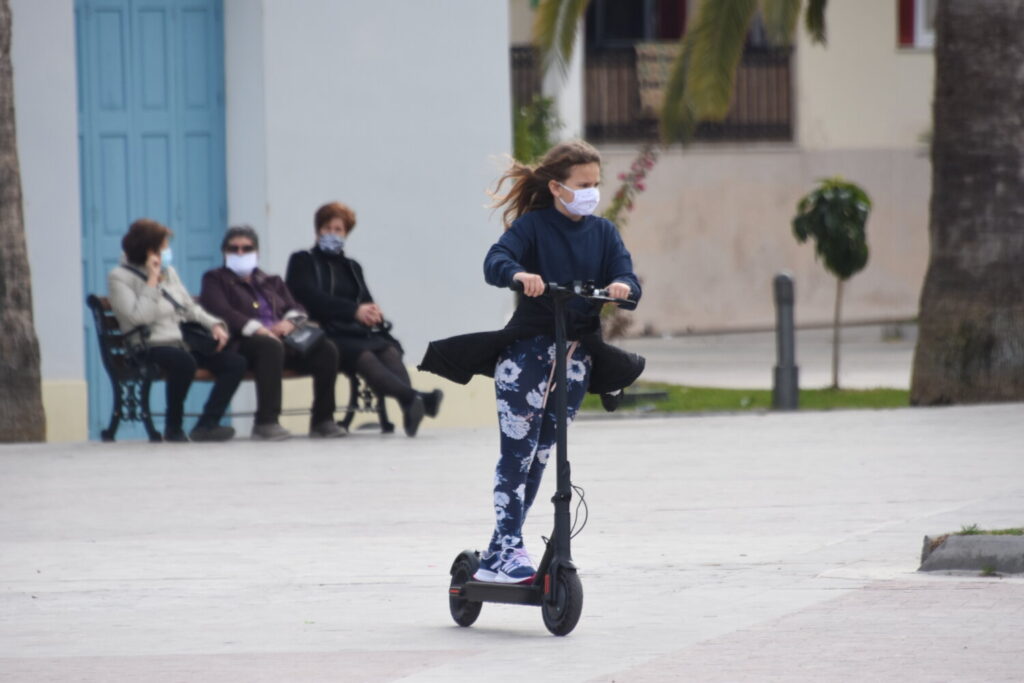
<point x="509" y="593"/>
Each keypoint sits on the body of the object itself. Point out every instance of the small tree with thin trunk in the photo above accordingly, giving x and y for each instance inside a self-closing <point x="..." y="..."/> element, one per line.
<point x="21" y="406"/>
<point x="835" y="215"/>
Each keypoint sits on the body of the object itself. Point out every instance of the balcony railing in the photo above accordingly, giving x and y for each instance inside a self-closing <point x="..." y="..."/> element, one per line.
<point x="623" y="93"/>
<point x="526" y="75"/>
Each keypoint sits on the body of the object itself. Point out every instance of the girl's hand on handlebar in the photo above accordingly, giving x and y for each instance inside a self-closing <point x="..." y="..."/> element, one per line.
<point x="618" y="290"/>
<point x="533" y="285"/>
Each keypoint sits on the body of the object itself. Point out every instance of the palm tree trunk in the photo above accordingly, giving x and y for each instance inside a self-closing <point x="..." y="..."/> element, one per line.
<point x="835" y="334"/>
<point x="21" y="406"/>
<point x="971" y="337"/>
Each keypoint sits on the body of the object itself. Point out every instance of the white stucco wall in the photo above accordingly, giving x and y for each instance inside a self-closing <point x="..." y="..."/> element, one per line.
<point x="245" y="114"/>
<point x="395" y="108"/>
<point x="43" y="57"/>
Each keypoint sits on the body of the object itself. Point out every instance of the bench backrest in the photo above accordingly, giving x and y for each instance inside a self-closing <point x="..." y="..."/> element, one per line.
<point x="114" y="350"/>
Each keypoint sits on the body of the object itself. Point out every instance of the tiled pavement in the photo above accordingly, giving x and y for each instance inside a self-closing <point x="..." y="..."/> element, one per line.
<point x="777" y="547"/>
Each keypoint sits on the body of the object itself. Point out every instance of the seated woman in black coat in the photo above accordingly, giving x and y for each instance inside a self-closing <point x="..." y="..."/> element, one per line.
<point x="331" y="288"/>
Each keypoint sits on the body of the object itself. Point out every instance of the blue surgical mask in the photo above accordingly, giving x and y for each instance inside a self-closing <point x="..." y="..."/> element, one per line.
<point x="331" y="242"/>
<point x="166" y="257"/>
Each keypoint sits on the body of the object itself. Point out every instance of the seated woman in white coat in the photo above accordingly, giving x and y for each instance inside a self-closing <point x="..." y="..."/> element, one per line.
<point x="145" y="290"/>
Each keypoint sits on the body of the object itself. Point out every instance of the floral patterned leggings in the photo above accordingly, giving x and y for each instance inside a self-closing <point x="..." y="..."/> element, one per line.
<point x="528" y="429"/>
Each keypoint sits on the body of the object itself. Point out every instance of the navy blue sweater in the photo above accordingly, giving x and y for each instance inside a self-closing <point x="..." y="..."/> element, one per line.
<point x="560" y="250"/>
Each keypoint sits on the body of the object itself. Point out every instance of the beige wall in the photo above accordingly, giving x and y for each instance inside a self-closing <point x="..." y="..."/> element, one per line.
<point x="65" y="403"/>
<point x="713" y="228"/>
<point x="520" y="22"/>
<point x="470" y="405"/>
<point x="861" y="90"/>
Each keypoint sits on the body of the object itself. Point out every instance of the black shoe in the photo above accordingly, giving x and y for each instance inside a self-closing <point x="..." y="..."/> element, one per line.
<point x="175" y="436"/>
<point x="214" y="433"/>
<point x="432" y="402"/>
<point x="412" y="415"/>
<point x="611" y="401"/>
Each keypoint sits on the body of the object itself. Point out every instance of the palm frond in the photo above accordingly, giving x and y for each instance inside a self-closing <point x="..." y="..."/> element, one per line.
<point x="780" y="19"/>
<point x="815" y="20"/>
<point x="717" y="36"/>
<point x="678" y="118"/>
<point x="545" y="25"/>
<point x="555" y="27"/>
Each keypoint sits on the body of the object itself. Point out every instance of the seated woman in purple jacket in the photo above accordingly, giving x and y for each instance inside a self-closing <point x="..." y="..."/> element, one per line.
<point x="259" y="311"/>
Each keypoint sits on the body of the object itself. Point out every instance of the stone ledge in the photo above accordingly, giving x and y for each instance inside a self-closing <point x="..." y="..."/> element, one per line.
<point x="978" y="552"/>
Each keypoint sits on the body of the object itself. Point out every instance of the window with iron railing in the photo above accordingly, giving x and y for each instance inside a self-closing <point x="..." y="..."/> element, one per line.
<point x="623" y="91"/>
<point x="526" y="75"/>
<point x="630" y="47"/>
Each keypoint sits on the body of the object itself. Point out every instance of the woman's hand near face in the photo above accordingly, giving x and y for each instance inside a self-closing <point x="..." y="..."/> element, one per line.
<point x="153" y="266"/>
<point x="220" y="333"/>
<point x="369" y="315"/>
<point x="533" y="284"/>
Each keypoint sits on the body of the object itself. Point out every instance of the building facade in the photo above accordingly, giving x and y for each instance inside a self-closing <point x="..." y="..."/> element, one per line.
<point x="713" y="225"/>
<point x="208" y="113"/>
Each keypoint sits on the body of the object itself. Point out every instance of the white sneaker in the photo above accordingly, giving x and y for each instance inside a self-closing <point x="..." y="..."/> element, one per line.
<point x="516" y="568"/>
<point x="488" y="569"/>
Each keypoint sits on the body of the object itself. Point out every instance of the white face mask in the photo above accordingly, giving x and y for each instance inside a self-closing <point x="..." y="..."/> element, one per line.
<point x="241" y="265"/>
<point x="584" y="200"/>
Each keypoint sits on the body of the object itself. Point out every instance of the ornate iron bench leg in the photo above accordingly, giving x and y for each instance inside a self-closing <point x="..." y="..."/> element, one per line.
<point x="110" y="432"/>
<point x="147" y="417"/>
<point x="353" y="402"/>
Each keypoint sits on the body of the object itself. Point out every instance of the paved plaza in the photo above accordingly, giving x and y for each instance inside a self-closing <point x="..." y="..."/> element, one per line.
<point x="870" y="356"/>
<point x="778" y="547"/>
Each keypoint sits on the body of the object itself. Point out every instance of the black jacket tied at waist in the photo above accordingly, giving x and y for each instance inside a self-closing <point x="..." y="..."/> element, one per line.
<point x="459" y="358"/>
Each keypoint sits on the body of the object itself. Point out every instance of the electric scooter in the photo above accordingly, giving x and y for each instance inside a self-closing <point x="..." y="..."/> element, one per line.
<point x="556" y="586"/>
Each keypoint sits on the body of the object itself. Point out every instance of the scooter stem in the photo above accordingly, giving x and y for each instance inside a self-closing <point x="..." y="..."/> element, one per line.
<point x="563" y="489"/>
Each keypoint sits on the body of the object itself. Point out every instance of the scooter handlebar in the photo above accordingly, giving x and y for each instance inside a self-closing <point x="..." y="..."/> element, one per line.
<point x="588" y="292"/>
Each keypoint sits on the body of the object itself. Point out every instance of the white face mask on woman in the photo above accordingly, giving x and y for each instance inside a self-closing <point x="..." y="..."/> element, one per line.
<point x="584" y="200"/>
<point x="241" y="265"/>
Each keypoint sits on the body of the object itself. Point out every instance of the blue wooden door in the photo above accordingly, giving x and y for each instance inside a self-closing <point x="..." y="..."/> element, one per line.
<point x="151" y="138"/>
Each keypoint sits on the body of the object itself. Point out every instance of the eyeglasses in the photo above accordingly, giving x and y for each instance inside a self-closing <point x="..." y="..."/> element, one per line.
<point x="240" y="248"/>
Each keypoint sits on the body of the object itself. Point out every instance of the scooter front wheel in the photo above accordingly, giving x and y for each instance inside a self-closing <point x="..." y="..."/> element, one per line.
<point x="464" y="612"/>
<point x="562" y="615"/>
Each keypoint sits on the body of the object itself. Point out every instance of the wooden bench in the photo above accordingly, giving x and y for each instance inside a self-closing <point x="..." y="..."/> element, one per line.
<point x="131" y="378"/>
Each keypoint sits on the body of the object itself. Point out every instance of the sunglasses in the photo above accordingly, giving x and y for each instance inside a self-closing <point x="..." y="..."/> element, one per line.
<point x="240" y="248"/>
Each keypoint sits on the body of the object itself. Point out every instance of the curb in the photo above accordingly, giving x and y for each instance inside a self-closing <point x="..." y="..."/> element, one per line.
<point x="979" y="552"/>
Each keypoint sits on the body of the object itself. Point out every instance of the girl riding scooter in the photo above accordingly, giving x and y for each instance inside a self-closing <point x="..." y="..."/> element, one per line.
<point x="551" y="235"/>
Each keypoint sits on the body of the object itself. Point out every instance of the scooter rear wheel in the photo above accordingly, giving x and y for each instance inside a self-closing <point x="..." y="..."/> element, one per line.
<point x="464" y="612"/>
<point x="562" y="616"/>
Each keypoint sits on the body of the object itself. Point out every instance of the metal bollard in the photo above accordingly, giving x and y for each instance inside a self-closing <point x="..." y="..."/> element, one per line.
<point x="786" y="388"/>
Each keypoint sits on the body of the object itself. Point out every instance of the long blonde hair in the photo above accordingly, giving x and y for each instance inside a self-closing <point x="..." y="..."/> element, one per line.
<point x="529" y="190"/>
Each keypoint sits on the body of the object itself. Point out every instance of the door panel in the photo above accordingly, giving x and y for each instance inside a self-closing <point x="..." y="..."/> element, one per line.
<point x="151" y="122"/>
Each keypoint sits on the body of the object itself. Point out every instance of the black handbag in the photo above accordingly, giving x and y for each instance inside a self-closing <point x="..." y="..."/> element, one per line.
<point x="198" y="339"/>
<point x="303" y="339"/>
